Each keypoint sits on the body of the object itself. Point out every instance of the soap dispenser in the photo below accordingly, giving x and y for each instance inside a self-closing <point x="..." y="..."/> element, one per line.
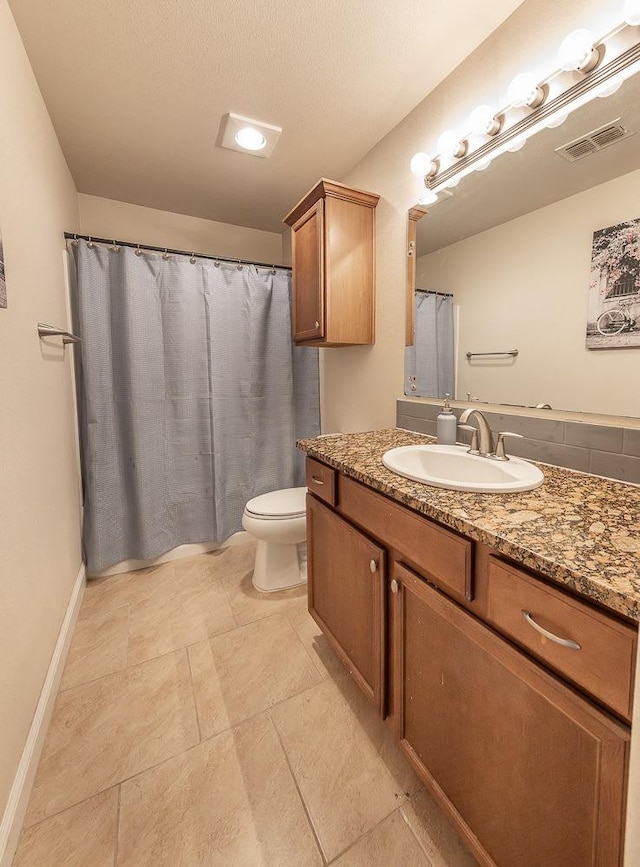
<point x="446" y="425"/>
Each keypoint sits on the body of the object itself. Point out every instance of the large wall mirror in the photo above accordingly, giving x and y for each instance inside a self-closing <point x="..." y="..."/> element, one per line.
<point x="510" y="251"/>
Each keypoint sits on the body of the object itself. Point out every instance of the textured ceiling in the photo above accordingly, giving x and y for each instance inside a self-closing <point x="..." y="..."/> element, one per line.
<point x="136" y="90"/>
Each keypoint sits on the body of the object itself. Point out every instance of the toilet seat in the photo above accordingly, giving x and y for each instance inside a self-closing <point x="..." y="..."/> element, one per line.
<point x="278" y="505"/>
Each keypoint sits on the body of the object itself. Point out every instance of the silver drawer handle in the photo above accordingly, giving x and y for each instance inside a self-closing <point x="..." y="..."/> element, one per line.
<point x="565" y="642"/>
<point x="317" y="480"/>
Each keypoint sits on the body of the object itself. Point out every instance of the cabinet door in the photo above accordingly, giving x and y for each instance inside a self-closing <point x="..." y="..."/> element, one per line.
<point x="307" y="240"/>
<point x="346" y="595"/>
<point x="532" y="773"/>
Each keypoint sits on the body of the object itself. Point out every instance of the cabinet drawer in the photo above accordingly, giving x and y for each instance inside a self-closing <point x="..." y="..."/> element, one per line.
<point x="595" y="651"/>
<point x="321" y="481"/>
<point x="440" y="555"/>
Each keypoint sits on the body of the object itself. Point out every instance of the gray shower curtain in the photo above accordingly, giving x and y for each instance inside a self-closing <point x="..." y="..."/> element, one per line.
<point x="191" y="397"/>
<point x="430" y="362"/>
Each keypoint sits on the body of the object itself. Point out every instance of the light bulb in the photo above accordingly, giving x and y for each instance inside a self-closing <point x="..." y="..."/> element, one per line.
<point x="631" y="12"/>
<point x="525" y="90"/>
<point x="450" y="144"/>
<point x="517" y="144"/>
<point x="453" y="182"/>
<point x="483" y="121"/>
<point x="577" y="52"/>
<point x="557" y="119"/>
<point x="609" y="88"/>
<point x="250" y="138"/>
<point x="483" y="164"/>
<point x="429" y="198"/>
<point x="423" y="166"/>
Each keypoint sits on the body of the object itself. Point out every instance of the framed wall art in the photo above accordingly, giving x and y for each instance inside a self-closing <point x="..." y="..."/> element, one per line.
<point x="614" y="292"/>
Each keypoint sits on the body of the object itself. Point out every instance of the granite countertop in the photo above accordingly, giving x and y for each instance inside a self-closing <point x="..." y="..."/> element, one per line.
<point x="579" y="530"/>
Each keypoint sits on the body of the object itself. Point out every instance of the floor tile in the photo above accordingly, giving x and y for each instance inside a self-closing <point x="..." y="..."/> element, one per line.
<point x="249" y="670"/>
<point x="231" y="560"/>
<point x="380" y="733"/>
<point x="249" y="604"/>
<point x="80" y="836"/>
<point x="213" y="715"/>
<point x="435" y="832"/>
<point x="99" y="645"/>
<point x="114" y="591"/>
<point x="316" y="643"/>
<point x="389" y="843"/>
<point x="346" y="786"/>
<point x="191" y="606"/>
<point x="230" y="801"/>
<point x="109" y="729"/>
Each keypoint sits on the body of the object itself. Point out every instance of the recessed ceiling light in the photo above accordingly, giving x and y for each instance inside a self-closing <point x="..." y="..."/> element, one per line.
<point x="249" y="136"/>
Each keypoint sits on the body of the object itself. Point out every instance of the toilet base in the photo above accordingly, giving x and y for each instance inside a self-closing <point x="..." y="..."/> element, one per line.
<point x="279" y="567"/>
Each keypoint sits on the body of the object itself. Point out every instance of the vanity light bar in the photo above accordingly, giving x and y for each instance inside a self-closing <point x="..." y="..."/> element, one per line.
<point x="596" y="78"/>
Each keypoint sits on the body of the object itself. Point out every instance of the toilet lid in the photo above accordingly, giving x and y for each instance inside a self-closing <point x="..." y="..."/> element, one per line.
<point x="286" y="503"/>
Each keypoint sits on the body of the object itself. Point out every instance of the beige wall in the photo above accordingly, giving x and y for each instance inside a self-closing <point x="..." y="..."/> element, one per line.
<point x="360" y="385"/>
<point x="524" y="285"/>
<point x="106" y="218"/>
<point x="39" y="491"/>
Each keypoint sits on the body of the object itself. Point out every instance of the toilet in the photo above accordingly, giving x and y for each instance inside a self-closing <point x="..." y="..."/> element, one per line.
<point x="278" y="521"/>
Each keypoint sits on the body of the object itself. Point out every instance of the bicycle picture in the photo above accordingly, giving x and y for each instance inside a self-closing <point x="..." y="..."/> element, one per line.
<point x="613" y="316"/>
<point x="617" y="319"/>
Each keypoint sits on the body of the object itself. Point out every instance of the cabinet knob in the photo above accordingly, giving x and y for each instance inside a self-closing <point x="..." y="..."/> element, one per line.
<point x="373" y="565"/>
<point x="317" y="325"/>
<point x="394" y="586"/>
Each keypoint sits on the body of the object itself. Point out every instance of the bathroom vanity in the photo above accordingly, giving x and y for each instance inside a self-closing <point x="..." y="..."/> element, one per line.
<point x="498" y="635"/>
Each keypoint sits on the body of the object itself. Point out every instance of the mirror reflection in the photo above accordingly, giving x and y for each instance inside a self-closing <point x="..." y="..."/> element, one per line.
<point x="507" y="299"/>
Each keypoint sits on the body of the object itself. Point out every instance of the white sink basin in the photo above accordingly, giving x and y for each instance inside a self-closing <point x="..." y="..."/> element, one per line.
<point x="454" y="468"/>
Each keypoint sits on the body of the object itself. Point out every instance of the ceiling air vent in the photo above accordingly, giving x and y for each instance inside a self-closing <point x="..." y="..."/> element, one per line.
<point x="593" y="141"/>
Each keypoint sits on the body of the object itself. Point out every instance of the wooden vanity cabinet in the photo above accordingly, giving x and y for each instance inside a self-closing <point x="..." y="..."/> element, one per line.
<point x="511" y="732"/>
<point x="530" y="772"/>
<point x="333" y="259"/>
<point x="347" y="584"/>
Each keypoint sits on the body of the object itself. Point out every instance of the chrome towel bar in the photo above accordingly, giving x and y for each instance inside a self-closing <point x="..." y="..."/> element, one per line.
<point x="52" y="331"/>
<point x="512" y="352"/>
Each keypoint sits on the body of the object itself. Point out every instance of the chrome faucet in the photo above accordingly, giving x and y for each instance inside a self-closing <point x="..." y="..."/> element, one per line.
<point x="486" y="447"/>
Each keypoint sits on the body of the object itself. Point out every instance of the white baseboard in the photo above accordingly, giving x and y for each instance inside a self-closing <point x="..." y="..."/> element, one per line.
<point x="16" y="808"/>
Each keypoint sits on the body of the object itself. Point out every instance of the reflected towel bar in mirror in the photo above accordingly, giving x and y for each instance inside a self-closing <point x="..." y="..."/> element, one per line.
<point x="512" y="352"/>
<point x="52" y="331"/>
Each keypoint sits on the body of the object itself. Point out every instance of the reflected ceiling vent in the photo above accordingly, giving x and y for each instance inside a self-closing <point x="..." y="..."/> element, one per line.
<point x="594" y="141"/>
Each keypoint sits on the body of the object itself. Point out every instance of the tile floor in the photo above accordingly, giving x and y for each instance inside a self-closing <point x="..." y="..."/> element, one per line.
<point x="202" y="723"/>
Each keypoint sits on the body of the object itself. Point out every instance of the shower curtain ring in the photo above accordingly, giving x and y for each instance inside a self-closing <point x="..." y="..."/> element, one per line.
<point x="74" y="240"/>
<point x="138" y="251"/>
<point x="90" y="242"/>
<point x="273" y="269"/>
<point x="166" y="254"/>
<point x="115" y="247"/>
<point x="239" y="265"/>
<point x="217" y="263"/>
<point x="193" y="259"/>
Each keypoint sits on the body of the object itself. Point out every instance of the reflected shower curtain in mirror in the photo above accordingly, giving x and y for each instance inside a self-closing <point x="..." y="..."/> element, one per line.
<point x="192" y="397"/>
<point x="430" y="362"/>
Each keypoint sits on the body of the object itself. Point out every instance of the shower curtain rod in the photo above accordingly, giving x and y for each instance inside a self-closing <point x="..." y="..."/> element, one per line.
<point x="432" y="292"/>
<point x="74" y="236"/>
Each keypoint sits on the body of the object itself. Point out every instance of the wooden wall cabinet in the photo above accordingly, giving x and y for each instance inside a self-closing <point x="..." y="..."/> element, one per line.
<point x="513" y="735"/>
<point x="333" y="259"/>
